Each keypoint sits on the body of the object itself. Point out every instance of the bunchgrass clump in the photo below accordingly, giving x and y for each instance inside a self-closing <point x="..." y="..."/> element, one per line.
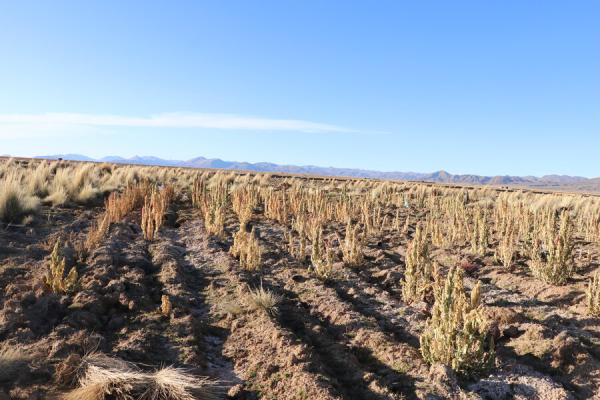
<point x="101" y="377"/>
<point x="15" y="201"/>
<point x="13" y="360"/>
<point x="263" y="299"/>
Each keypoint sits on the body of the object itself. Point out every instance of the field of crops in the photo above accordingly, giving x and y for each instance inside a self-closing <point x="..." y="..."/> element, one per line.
<point x="130" y="282"/>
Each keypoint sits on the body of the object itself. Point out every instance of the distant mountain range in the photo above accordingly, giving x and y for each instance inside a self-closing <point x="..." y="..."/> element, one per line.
<point x="564" y="182"/>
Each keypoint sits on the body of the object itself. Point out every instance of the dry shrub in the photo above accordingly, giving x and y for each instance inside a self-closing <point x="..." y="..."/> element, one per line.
<point x="103" y="378"/>
<point x="457" y="334"/>
<point x="230" y="308"/>
<point x="66" y="371"/>
<point x="87" y="194"/>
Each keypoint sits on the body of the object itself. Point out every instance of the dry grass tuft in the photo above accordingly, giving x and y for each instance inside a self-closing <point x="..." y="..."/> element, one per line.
<point x="15" y="201"/>
<point x="13" y="360"/>
<point x="102" y="378"/>
<point x="263" y="299"/>
<point x="176" y="384"/>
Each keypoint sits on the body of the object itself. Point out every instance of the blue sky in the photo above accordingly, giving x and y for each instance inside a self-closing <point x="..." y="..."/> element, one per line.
<point x="505" y="87"/>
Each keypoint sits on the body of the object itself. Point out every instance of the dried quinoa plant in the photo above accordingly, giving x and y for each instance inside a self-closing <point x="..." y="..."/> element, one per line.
<point x="418" y="274"/>
<point x="457" y="334"/>
<point x="552" y="252"/>
<point x="55" y="279"/>
<point x="153" y="212"/>
<point x="592" y="295"/>
<point x="322" y="257"/>
<point x="246" y="247"/>
<point x="352" y="245"/>
<point x="212" y="198"/>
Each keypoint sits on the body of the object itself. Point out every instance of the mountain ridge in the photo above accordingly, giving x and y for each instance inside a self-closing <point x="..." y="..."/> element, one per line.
<point x="441" y="176"/>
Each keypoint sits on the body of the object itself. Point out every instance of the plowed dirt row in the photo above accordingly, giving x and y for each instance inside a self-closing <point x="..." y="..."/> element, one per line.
<point x="351" y="337"/>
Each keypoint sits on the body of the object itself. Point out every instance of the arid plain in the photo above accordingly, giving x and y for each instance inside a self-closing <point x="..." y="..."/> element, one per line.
<point x="131" y="282"/>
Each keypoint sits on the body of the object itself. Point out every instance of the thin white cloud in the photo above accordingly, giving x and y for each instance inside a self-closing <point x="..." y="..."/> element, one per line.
<point x="17" y="125"/>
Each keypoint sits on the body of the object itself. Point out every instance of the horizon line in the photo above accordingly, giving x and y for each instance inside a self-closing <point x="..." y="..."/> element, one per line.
<point x="132" y="158"/>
